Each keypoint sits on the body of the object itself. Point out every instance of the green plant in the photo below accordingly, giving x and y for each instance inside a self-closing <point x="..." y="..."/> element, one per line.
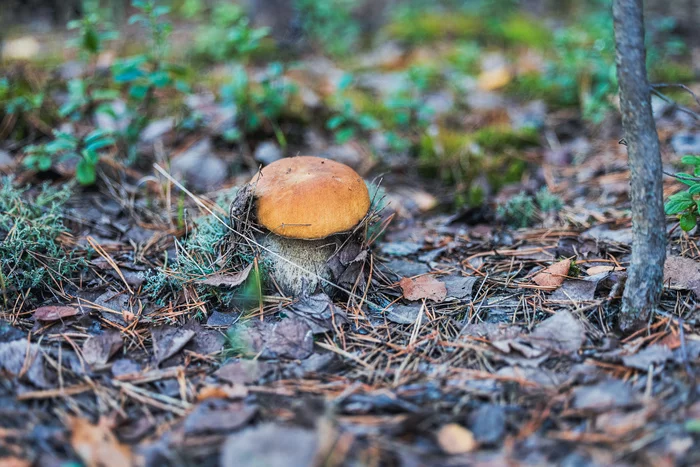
<point x="330" y="24"/>
<point x="257" y="103"/>
<point x="146" y="73"/>
<point x="686" y="204"/>
<point x="66" y="146"/>
<point x="201" y="254"/>
<point x="228" y="35"/>
<point x="32" y="258"/>
<point x="523" y="210"/>
<point x="85" y="94"/>
<point x="347" y="122"/>
<point x="519" y="211"/>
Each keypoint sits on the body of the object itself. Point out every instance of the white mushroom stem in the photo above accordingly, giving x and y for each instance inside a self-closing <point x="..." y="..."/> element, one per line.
<point x="306" y="255"/>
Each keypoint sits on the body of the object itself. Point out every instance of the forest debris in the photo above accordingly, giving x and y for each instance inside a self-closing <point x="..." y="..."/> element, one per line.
<point x="228" y="280"/>
<point x="319" y="312"/>
<point x="488" y="423"/>
<point x="169" y="340"/>
<point x="562" y="333"/>
<point x="459" y="287"/>
<point x="604" y="396"/>
<point x="595" y="270"/>
<point x="96" y="444"/>
<point x="553" y="276"/>
<point x="404" y="314"/>
<point x="54" y="313"/>
<point x="576" y="290"/>
<point x="655" y="354"/>
<point x="98" y="349"/>
<point x="271" y="445"/>
<point x="455" y="439"/>
<point x="423" y="287"/>
<point x="401" y="248"/>
<point x="23" y="359"/>
<point x="289" y="338"/>
<point x="217" y="415"/>
<point x="682" y="273"/>
<point x="243" y="371"/>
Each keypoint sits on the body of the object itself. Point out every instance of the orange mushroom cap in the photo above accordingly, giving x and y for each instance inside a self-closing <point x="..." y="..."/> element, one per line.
<point x="309" y="197"/>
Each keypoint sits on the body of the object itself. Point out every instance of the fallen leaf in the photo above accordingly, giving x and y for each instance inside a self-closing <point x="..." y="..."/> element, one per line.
<point x="496" y="78"/>
<point x="97" y="350"/>
<point x="96" y="444"/>
<point x="403" y="314"/>
<point x="169" y="340"/>
<point x="14" y="462"/>
<point x="217" y="415"/>
<point x="289" y="338"/>
<point x="226" y="391"/>
<point x="228" y="280"/>
<point x="682" y="273"/>
<point x="561" y="332"/>
<point x="54" y="313"/>
<point x="488" y="423"/>
<point x="423" y="287"/>
<point x="553" y="276"/>
<point x="318" y="312"/>
<point x="271" y="445"/>
<point x="619" y="424"/>
<point x="604" y="396"/>
<point x="20" y="358"/>
<point x="655" y="354"/>
<point x="458" y="287"/>
<point x="244" y="371"/>
<point x="455" y="439"/>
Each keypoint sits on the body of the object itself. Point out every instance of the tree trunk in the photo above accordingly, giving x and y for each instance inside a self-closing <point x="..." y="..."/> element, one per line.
<point x="645" y="278"/>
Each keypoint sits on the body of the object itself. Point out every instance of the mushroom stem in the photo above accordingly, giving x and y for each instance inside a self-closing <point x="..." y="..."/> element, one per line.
<point x="308" y="255"/>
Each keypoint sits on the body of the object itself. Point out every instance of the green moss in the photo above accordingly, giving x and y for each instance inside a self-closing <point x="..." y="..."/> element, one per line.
<point x="668" y="72"/>
<point x="459" y="158"/>
<point x="426" y="27"/>
<point x="496" y="139"/>
<point x="522" y="31"/>
<point x="556" y="93"/>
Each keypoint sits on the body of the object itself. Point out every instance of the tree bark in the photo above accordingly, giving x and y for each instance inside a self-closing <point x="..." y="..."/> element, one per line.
<point x="645" y="274"/>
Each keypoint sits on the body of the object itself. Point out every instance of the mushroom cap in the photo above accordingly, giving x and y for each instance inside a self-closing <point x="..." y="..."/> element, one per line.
<point x="308" y="197"/>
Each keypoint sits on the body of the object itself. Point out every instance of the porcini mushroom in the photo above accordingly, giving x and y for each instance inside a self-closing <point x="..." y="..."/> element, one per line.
<point x="306" y="205"/>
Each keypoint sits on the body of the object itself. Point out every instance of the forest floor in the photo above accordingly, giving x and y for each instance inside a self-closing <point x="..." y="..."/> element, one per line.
<point x="482" y="329"/>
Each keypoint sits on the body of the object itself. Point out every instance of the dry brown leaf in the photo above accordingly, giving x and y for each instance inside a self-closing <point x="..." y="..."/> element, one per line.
<point x="96" y="444"/>
<point x="455" y="439"/>
<point x="54" y="313"/>
<point x="553" y="276"/>
<point x="14" y="462"/>
<point x="423" y="287"/>
<point x="234" y="391"/>
<point x="497" y="78"/>
<point x="601" y="269"/>
<point x="228" y="280"/>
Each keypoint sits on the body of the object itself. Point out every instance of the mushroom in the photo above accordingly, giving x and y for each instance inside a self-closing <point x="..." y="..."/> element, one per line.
<point x="308" y="206"/>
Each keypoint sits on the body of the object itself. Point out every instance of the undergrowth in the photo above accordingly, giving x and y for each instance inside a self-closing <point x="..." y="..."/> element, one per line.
<point x="32" y="258"/>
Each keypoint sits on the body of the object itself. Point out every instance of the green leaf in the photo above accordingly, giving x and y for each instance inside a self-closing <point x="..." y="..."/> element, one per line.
<point x="344" y="135"/>
<point x="335" y="122"/>
<point x="688" y="221"/>
<point x="100" y="143"/>
<point x="693" y="425"/>
<point x="368" y="122"/>
<point x="690" y="160"/>
<point x="138" y="92"/>
<point x="105" y="94"/>
<point x="694" y="189"/>
<point x="159" y="79"/>
<point x="85" y="172"/>
<point x="345" y="82"/>
<point x="44" y="163"/>
<point x="678" y="203"/>
<point x="91" y="41"/>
